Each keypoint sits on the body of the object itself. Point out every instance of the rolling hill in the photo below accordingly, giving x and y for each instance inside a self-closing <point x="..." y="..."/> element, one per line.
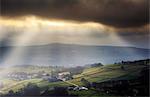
<point x="71" y="55"/>
<point x="94" y="74"/>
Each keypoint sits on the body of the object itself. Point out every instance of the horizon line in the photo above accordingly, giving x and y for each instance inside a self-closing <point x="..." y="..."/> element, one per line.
<point x="129" y="46"/>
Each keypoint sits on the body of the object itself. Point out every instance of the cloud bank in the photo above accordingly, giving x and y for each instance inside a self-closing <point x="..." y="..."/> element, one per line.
<point x="117" y="13"/>
<point x="116" y="22"/>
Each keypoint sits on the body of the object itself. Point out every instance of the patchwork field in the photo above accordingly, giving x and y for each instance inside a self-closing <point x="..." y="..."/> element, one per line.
<point x="91" y="74"/>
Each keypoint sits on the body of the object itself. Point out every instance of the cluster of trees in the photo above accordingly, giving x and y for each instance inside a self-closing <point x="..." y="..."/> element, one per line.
<point x="138" y="62"/>
<point x="30" y="90"/>
<point x="33" y="90"/>
<point x="86" y="83"/>
<point x="138" y="86"/>
<point x="133" y="87"/>
<point x="94" y="65"/>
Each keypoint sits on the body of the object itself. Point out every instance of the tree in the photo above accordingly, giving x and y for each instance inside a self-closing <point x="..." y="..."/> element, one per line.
<point x="96" y="65"/>
<point x="10" y="93"/>
<point x="85" y="82"/>
<point x="31" y="90"/>
<point x="122" y="67"/>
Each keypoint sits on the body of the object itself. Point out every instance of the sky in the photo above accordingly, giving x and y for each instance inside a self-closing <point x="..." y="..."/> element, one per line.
<point x="83" y="22"/>
<point x="86" y="22"/>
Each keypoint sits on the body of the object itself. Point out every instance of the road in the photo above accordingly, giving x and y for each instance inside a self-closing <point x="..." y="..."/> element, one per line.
<point x="71" y="83"/>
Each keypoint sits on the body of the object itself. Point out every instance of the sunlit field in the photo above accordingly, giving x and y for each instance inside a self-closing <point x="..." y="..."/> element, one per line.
<point x="74" y="48"/>
<point x="96" y="74"/>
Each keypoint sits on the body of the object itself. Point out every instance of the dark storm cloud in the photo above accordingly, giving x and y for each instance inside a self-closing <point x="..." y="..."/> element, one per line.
<point x="137" y="36"/>
<point x="118" y="13"/>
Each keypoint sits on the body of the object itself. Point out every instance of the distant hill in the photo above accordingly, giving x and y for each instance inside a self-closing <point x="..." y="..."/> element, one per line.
<point x="73" y="55"/>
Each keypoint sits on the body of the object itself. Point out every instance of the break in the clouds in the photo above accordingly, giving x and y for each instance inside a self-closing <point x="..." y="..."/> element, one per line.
<point x="118" y="13"/>
<point x="92" y="22"/>
<point x="32" y="30"/>
<point x="85" y="22"/>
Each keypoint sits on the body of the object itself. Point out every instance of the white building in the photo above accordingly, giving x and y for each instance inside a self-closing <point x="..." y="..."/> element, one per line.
<point x="63" y="75"/>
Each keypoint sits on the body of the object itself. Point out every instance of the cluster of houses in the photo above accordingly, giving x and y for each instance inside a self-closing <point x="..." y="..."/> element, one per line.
<point x="62" y="76"/>
<point x="65" y="76"/>
<point x="77" y="88"/>
<point x="19" y="76"/>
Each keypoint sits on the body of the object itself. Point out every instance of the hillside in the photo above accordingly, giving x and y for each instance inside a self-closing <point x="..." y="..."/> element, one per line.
<point x="108" y="72"/>
<point x="72" y="55"/>
<point x="95" y="74"/>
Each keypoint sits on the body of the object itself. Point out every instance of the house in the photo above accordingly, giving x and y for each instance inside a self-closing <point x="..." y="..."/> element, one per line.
<point x="63" y="75"/>
<point x="19" y="76"/>
<point x="80" y="88"/>
<point x="50" y="79"/>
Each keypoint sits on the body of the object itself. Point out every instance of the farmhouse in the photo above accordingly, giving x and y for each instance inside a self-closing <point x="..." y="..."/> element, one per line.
<point x="77" y="88"/>
<point x="64" y="76"/>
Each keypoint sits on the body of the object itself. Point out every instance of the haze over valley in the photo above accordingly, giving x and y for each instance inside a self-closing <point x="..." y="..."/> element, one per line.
<point x="70" y="55"/>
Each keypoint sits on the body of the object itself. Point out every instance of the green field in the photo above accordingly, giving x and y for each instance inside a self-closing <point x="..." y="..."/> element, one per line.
<point x="99" y="74"/>
<point x="95" y="74"/>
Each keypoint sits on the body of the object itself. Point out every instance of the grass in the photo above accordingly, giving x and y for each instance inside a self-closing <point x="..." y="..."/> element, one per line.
<point x="89" y="93"/>
<point x="18" y="85"/>
<point x="107" y="72"/>
<point x="95" y="74"/>
<point x="42" y="84"/>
